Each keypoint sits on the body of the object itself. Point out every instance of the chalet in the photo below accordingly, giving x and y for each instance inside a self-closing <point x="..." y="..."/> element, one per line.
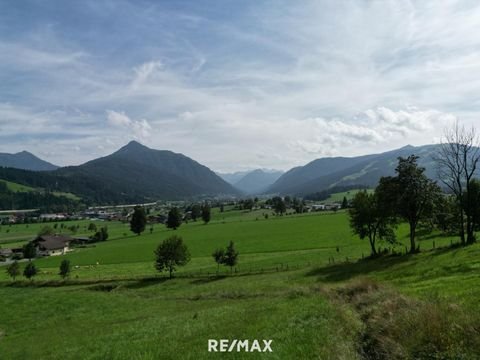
<point x="51" y="245"/>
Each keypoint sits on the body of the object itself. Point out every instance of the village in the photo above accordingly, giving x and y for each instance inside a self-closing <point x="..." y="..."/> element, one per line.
<point x="61" y="239"/>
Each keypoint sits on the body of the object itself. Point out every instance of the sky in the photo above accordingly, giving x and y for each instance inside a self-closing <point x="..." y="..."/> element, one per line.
<point x="235" y="85"/>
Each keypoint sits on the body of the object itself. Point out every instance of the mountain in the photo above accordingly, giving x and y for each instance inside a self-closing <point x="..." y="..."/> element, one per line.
<point x="366" y="170"/>
<point x="135" y="173"/>
<point x="233" y="178"/>
<point x="25" y="160"/>
<point x="257" y="181"/>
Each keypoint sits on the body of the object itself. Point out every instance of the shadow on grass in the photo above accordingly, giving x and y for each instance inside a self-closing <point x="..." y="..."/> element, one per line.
<point x="348" y="270"/>
<point x="146" y="282"/>
<point x="208" y="280"/>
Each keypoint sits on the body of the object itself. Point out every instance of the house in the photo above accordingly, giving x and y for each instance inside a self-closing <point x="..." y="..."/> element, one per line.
<point x="5" y="253"/>
<point x="51" y="245"/>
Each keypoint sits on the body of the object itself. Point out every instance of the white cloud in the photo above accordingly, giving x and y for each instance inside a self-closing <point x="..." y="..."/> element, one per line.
<point x="144" y="71"/>
<point x="350" y="79"/>
<point x="139" y="129"/>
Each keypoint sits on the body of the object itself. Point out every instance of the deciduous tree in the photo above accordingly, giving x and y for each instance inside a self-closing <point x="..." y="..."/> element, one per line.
<point x="172" y="252"/>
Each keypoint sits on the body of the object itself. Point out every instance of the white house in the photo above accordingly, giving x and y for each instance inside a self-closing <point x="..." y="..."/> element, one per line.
<point x="51" y="245"/>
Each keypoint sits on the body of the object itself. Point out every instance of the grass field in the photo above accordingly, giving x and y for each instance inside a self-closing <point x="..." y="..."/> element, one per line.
<point x="24" y="188"/>
<point x="17" y="187"/>
<point x="338" y="197"/>
<point x="286" y="288"/>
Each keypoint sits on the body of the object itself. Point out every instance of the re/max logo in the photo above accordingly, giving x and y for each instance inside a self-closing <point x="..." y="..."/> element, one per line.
<point x="225" y="345"/>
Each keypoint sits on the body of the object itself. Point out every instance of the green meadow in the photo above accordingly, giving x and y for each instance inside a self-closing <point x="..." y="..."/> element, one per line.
<point x="302" y="281"/>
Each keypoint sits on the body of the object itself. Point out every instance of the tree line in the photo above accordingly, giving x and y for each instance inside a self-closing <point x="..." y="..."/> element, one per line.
<point x="410" y="196"/>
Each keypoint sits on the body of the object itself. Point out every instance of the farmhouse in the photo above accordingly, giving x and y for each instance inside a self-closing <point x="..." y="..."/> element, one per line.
<point x="51" y="245"/>
<point x="5" y="253"/>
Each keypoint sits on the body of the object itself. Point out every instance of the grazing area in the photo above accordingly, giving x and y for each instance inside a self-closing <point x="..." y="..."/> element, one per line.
<point x="300" y="281"/>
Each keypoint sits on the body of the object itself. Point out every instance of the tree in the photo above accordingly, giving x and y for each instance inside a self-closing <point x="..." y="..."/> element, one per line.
<point x="278" y="205"/>
<point x="248" y="204"/>
<point x="369" y="220"/>
<point x="206" y="213"/>
<point x="344" y="203"/>
<point x="30" y="270"/>
<point x="219" y="257"/>
<point x="46" y="230"/>
<point x="172" y="252"/>
<point x="231" y="256"/>
<point x="457" y="164"/>
<point x="410" y="194"/>
<point x="473" y="204"/>
<point x="174" y="219"/>
<point x="92" y="227"/>
<point x="29" y="250"/>
<point x="138" y="221"/>
<point x="64" y="269"/>
<point x="13" y="270"/>
<point x="196" y="212"/>
<point x="298" y="205"/>
<point x="101" y="235"/>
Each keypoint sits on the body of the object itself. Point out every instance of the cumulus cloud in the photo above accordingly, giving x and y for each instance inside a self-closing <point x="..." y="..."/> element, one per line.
<point x="139" y="129"/>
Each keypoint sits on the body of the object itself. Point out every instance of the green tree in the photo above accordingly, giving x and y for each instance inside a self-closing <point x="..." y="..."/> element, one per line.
<point x="248" y="204"/>
<point x="138" y="221"/>
<point x="344" y="203"/>
<point x="30" y="270"/>
<point x="174" y="219"/>
<point x="101" y="235"/>
<point x="46" y="230"/>
<point x="369" y="220"/>
<point x="219" y="256"/>
<point x="196" y="212"/>
<point x="13" y="270"/>
<point x="92" y="227"/>
<point x="457" y="165"/>
<point x="29" y="250"/>
<point x="206" y="213"/>
<point x="278" y="205"/>
<point x="231" y="256"/>
<point x="172" y="252"/>
<point x="411" y="194"/>
<point x="65" y="268"/>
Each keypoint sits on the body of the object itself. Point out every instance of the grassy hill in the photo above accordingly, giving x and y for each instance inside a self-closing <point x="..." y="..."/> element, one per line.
<point x="287" y="288"/>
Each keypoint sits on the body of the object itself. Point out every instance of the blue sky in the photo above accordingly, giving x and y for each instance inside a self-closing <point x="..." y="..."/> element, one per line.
<point x="235" y="84"/>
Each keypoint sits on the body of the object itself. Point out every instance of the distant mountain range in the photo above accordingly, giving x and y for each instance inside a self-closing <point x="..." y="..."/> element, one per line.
<point x="366" y="170"/>
<point x="135" y="173"/>
<point x="233" y="178"/>
<point x="252" y="182"/>
<point x="25" y="160"/>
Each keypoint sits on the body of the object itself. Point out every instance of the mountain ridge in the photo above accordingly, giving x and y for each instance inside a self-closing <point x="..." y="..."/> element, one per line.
<point x="26" y="161"/>
<point x="132" y="173"/>
<point x="365" y="170"/>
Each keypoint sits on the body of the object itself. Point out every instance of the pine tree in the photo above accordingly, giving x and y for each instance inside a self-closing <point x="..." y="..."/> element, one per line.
<point x="174" y="219"/>
<point x="138" y="221"/>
